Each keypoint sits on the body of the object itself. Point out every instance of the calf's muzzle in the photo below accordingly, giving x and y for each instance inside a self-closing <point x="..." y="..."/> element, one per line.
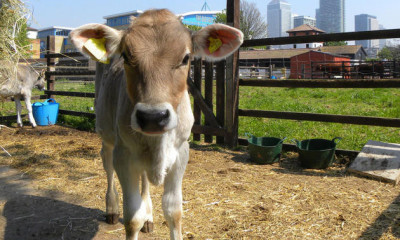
<point x="153" y="121"/>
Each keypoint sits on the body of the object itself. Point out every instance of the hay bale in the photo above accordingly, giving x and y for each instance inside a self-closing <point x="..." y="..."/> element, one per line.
<point x="14" y="44"/>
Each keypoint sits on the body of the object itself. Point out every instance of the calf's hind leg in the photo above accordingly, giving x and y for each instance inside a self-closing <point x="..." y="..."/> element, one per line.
<point x="29" y="107"/>
<point x="18" y="107"/>
<point x="112" y="211"/>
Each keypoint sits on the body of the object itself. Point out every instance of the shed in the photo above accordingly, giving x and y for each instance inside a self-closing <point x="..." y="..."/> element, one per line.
<point x="265" y="58"/>
<point x="305" y="65"/>
<point x="354" y="52"/>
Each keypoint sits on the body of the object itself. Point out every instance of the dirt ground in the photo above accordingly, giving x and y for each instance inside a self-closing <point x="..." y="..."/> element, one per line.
<point x="53" y="187"/>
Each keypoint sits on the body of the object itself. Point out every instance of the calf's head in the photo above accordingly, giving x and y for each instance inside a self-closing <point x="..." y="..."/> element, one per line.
<point x="157" y="50"/>
<point x="40" y="81"/>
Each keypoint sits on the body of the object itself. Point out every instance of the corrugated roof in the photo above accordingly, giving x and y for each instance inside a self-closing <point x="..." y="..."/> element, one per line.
<point x="272" y="54"/>
<point x="348" y="49"/>
<point x="305" y="28"/>
<point x="338" y="51"/>
<point x="328" y="53"/>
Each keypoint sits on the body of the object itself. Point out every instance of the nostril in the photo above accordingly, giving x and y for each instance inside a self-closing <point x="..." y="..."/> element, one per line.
<point x="152" y="120"/>
<point x="164" y="117"/>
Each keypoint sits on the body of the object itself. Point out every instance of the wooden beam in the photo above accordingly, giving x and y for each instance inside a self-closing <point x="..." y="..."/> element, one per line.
<point x="51" y="62"/>
<point x="62" y="55"/>
<point x="72" y="94"/>
<point x="200" y="102"/>
<point x="316" y="117"/>
<point x="232" y="81"/>
<point x="346" y="36"/>
<point x="208" y="93"/>
<point x="348" y="83"/>
<point x="208" y="130"/>
<point x="197" y="76"/>
<point x="76" y="113"/>
<point x="72" y="72"/>
<point x="220" y="96"/>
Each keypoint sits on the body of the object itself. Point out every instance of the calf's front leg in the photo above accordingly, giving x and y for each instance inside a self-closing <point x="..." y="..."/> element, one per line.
<point x="172" y="198"/>
<point x="134" y="207"/>
<point x="18" y="107"/>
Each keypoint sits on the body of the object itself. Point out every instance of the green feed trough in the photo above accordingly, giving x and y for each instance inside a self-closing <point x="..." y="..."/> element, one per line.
<point x="316" y="153"/>
<point x="265" y="150"/>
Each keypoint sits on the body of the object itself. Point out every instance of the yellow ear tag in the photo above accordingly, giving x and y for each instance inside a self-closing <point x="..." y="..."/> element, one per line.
<point x="215" y="44"/>
<point x="96" y="47"/>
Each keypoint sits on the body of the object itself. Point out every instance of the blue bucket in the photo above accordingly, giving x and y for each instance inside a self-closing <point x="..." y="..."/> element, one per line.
<point x="45" y="113"/>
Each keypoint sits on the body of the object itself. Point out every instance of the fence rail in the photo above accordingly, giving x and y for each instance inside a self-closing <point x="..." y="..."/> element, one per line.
<point x="346" y="36"/>
<point x="359" y="120"/>
<point x="71" y="94"/>
<point x="347" y="83"/>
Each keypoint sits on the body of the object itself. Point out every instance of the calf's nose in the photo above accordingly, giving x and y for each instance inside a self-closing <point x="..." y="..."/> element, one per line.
<point x="152" y="121"/>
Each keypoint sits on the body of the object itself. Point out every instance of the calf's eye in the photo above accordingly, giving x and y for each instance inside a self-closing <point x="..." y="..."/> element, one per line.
<point x="125" y="57"/>
<point x="185" y="59"/>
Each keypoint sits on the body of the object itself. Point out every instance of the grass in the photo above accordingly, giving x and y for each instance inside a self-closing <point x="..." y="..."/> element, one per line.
<point x="360" y="102"/>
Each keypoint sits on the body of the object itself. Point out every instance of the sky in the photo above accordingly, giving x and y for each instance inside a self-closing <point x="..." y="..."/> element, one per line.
<point x="73" y="13"/>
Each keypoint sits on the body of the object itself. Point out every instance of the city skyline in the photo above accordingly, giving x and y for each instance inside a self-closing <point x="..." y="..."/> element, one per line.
<point x="74" y="13"/>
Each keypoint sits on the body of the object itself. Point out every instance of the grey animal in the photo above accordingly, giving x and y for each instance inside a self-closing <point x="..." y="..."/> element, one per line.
<point x="21" y="88"/>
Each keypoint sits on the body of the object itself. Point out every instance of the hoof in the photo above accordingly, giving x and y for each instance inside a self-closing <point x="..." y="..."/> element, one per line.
<point x="112" y="218"/>
<point x="147" y="227"/>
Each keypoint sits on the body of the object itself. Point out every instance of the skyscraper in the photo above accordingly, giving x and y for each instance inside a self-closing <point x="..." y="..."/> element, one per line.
<point x="365" y="22"/>
<point x="331" y="16"/>
<point x="300" y="20"/>
<point x="279" y="18"/>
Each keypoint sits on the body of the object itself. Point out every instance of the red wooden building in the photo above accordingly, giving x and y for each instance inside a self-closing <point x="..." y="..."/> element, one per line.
<point x="316" y="64"/>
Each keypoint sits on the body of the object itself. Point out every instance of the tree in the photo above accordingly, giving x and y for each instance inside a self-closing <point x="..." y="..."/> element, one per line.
<point x="220" y="17"/>
<point x="193" y="27"/>
<point x="252" y="24"/>
<point x="390" y="53"/>
<point x="335" y="43"/>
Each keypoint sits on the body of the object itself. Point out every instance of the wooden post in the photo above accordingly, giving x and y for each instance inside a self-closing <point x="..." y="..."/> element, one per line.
<point x="208" y="93"/>
<point x="220" y="98"/>
<point x="232" y="81"/>
<point x="270" y="71"/>
<point x="50" y="47"/>
<point x="312" y="71"/>
<point x="197" y="65"/>
<point x="343" y="74"/>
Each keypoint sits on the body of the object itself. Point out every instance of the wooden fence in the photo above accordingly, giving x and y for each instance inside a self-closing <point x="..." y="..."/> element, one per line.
<point x="348" y="36"/>
<point x="224" y="123"/>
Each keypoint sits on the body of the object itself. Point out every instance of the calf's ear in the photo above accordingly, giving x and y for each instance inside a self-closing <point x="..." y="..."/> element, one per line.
<point x="216" y="41"/>
<point x="98" y="41"/>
